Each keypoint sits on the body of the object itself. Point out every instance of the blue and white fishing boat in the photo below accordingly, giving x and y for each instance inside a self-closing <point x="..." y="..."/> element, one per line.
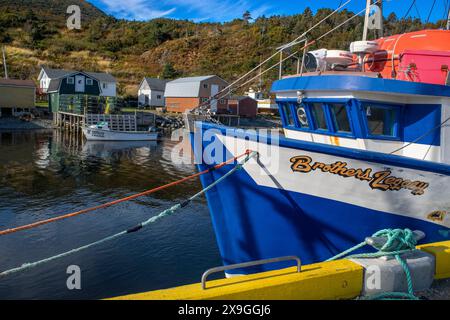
<point x="366" y="146"/>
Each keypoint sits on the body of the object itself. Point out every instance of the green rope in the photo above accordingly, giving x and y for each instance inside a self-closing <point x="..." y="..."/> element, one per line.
<point x="398" y="242"/>
<point x="151" y="220"/>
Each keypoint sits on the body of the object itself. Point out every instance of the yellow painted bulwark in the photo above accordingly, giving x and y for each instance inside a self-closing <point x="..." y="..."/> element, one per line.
<point x="441" y="251"/>
<point x="328" y="280"/>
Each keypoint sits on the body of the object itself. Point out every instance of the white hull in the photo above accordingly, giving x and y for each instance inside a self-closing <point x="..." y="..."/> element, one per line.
<point x="358" y="192"/>
<point x="107" y="135"/>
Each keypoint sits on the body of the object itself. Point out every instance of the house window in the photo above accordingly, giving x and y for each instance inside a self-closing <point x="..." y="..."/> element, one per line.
<point x="70" y="80"/>
<point x="287" y="112"/>
<point x="89" y="82"/>
<point x="340" y="118"/>
<point x="302" y="117"/>
<point x="158" y="97"/>
<point x="318" y="112"/>
<point x="205" y="85"/>
<point x="104" y="85"/>
<point x="381" y="120"/>
<point x="222" y="101"/>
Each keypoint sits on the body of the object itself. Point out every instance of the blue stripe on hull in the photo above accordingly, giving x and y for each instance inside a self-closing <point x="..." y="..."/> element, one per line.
<point x="252" y="222"/>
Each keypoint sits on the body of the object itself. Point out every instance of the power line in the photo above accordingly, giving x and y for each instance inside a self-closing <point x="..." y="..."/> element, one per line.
<point x="444" y="18"/>
<point x="409" y="10"/>
<point x="296" y="41"/>
<point x="307" y="44"/>
<point x="446" y="15"/>
<point x="417" y="10"/>
<point x="431" y="10"/>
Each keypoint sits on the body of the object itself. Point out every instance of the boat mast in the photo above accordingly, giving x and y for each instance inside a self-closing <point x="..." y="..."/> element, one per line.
<point x="4" y="63"/>
<point x="378" y="3"/>
<point x="366" y="20"/>
<point x="448" y="19"/>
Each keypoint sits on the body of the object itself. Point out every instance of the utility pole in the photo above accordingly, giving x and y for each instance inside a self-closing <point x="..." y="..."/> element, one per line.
<point x="4" y="63"/>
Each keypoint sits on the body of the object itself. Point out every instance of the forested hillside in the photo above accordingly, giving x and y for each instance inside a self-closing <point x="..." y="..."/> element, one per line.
<point x="34" y="33"/>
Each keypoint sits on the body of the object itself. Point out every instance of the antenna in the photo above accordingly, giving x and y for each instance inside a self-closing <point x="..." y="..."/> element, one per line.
<point x="366" y="19"/>
<point x="373" y="20"/>
<point x="4" y="63"/>
<point x="448" y="20"/>
<point x="381" y="31"/>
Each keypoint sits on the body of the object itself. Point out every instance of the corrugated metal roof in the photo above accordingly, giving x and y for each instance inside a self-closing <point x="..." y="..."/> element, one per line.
<point x="192" y="79"/>
<point x="18" y="83"/>
<point x="182" y="89"/>
<point x="186" y="87"/>
<point x="156" y="84"/>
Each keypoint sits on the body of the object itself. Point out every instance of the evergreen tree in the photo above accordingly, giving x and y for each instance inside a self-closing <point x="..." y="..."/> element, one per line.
<point x="247" y="17"/>
<point x="169" y="72"/>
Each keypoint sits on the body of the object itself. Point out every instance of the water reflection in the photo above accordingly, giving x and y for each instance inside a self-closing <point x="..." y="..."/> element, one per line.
<point x="44" y="174"/>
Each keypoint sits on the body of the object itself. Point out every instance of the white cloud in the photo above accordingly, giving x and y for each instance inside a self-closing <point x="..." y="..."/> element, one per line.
<point x="196" y="10"/>
<point x="136" y="9"/>
<point x="219" y="10"/>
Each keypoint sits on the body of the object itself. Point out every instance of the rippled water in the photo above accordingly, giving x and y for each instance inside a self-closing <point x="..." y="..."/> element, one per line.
<point x="45" y="174"/>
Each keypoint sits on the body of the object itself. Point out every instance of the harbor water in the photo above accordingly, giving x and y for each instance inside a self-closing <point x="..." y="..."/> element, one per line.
<point x="44" y="174"/>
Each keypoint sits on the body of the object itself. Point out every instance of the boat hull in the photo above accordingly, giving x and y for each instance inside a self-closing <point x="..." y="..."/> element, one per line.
<point x="280" y="206"/>
<point x="106" y="135"/>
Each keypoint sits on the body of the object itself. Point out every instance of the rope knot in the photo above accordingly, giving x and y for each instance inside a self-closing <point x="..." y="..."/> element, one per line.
<point x="397" y="239"/>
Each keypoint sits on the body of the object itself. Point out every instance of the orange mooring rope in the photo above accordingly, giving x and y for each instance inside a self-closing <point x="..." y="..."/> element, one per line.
<point x="109" y="204"/>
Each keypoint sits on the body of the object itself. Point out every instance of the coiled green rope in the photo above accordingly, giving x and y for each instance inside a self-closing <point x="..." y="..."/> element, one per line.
<point x="398" y="242"/>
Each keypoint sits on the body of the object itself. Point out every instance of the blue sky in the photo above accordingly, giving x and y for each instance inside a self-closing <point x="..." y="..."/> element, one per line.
<point x="225" y="10"/>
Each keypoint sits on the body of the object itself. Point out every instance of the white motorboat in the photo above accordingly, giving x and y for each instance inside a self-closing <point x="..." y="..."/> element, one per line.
<point x="102" y="132"/>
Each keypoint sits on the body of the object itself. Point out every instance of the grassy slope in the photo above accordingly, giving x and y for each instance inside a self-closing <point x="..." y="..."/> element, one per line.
<point x="34" y="33"/>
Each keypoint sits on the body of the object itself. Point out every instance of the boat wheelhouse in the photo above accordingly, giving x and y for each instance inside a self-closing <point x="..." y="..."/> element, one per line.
<point x="366" y="147"/>
<point x="367" y="113"/>
<point x="393" y="102"/>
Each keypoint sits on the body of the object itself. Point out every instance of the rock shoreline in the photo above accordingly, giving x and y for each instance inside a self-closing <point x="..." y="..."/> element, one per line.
<point x="16" y="124"/>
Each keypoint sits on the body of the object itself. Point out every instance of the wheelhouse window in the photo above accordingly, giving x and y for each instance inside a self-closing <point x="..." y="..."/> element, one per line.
<point x="340" y="118"/>
<point x="322" y="117"/>
<point x="318" y="112"/>
<point x="381" y="120"/>
<point x="288" y="117"/>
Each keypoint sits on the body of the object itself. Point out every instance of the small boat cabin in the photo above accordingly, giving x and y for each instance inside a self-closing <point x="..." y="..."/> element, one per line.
<point x="391" y="95"/>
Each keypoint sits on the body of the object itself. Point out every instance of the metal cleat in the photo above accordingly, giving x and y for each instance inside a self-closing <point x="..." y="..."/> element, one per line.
<point x="378" y="242"/>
